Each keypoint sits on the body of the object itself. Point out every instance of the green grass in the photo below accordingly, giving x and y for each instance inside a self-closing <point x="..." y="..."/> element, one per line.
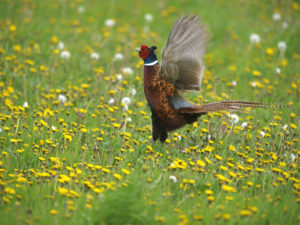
<point x="84" y="162"/>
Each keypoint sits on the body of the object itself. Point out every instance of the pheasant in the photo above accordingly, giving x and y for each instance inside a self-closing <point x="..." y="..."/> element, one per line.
<point x="181" y="69"/>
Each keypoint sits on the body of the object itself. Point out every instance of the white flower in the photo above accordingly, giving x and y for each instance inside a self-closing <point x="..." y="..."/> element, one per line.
<point x="127" y="70"/>
<point x="95" y="55"/>
<point x="254" y="38"/>
<point x="293" y="157"/>
<point x="276" y="17"/>
<point x="285" y="25"/>
<point x="281" y="46"/>
<point x="262" y="134"/>
<point x="0" y="130"/>
<point x="109" y="22"/>
<point x="118" y="56"/>
<point x="25" y="105"/>
<point x="61" y="45"/>
<point x="125" y="107"/>
<point x="62" y="98"/>
<point x="278" y="70"/>
<point x="178" y="137"/>
<point x="133" y="91"/>
<point x="80" y="9"/>
<point x="253" y="84"/>
<point x="148" y="17"/>
<point x="285" y="127"/>
<point x="53" y="128"/>
<point x="126" y="100"/>
<point x="119" y="76"/>
<point x="233" y="83"/>
<point x="244" y="124"/>
<point x="128" y="119"/>
<point x="234" y="118"/>
<point x="173" y="178"/>
<point x="111" y="101"/>
<point x="65" y="54"/>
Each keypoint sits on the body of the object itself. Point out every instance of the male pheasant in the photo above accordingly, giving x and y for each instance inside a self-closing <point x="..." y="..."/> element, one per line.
<point x="181" y="69"/>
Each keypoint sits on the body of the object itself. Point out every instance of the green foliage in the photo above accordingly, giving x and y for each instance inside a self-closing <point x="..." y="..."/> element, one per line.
<point x="72" y="153"/>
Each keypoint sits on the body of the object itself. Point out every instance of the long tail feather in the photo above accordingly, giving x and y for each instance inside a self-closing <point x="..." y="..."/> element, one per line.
<point x="227" y="105"/>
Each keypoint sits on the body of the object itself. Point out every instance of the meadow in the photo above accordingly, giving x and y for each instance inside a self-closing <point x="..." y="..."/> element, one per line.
<point x="75" y="129"/>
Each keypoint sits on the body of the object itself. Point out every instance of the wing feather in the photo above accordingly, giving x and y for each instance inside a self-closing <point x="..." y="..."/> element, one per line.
<point x="182" y="56"/>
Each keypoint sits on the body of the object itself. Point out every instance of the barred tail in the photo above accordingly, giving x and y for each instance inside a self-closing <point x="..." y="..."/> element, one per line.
<point x="227" y="105"/>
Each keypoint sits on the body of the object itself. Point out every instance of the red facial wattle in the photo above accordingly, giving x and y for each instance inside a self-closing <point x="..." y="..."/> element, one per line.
<point x="144" y="53"/>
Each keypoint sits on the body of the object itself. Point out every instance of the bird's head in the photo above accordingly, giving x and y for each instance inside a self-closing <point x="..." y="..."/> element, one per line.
<point x="145" y="51"/>
<point x="147" y="54"/>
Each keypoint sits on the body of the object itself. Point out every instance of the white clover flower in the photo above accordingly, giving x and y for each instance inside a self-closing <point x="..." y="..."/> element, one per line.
<point x="244" y="124"/>
<point x="293" y="157"/>
<point x="209" y="137"/>
<point x="234" y="83"/>
<point x="62" y="98"/>
<point x="126" y="100"/>
<point x="95" y="55"/>
<point x="285" y="127"/>
<point x="262" y="134"/>
<point x="109" y="22"/>
<point x="254" y="38"/>
<point x="25" y="105"/>
<point x="253" y="84"/>
<point x="148" y="17"/>
<point x="278" y="70"/>
<point x="65" y="54"/>
<point x="234" y="118"/>
<point x="111" y="101"/>
<point x="60" y="45"/>
<point x="173" y="179"/>
<point x="128" y="119"/>
<point x="118" y="57"/>
<point x="80" y="9"/>
<point x="53" y="127"/>
<point x="119" y="76"/>
<point x="127" y="70"/>
<point x="276" y="17"/>
<point x="125" y="107"/>
<point x="0" y="130"/>
<point x="179" y="138"/>
<point x="281" y="46"/>
<point x="285" y="25"/>
<point x="133" y="91"/>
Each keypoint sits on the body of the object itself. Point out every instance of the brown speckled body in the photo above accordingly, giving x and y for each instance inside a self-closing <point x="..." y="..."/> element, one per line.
<point x="164" y="116"/>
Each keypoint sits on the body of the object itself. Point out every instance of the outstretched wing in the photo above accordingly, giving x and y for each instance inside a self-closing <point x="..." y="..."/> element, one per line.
<point x="182" y="56"/>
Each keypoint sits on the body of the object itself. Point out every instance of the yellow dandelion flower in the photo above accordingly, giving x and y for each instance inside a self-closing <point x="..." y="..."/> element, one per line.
<point x="256" y="73"/>
<point x="245" y="212"/>
<point x="117" y="176"/>
<point x="208" y="192"/>
<point x="231" y="148"/>
<point x="9" y="190"/>
<point x="12" y="28"/>
<point x="54" y="40"/>
<point x="53" y="212"/>
<point x="125" y="171"/>
<point x="270" y="51"/>
<point x="62" y="191"/>
<point x="201" y="163"/>
<point x="116" y="125"/>
<point x="228" y="188"/>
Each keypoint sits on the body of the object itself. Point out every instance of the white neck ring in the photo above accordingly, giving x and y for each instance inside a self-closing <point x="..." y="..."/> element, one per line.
<point x="151" y="64"/>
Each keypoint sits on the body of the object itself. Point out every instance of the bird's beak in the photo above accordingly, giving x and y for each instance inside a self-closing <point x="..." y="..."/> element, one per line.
<point x="138" y="49"/>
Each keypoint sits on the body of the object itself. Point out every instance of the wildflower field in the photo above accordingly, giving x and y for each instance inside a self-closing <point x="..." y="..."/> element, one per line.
<point x="75" y="129"/>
